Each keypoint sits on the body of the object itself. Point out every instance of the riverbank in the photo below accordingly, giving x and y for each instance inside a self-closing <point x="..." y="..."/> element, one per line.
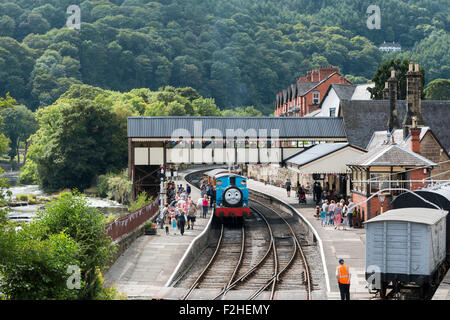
<point x="108" y="208"/>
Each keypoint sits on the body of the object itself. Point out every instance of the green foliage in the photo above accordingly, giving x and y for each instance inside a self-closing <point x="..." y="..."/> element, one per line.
<point x="438" y="89"/>
<point x="19" y="125"/>
<point x="72" y="215"/>
<point x="38" y="268"/>
<point x="34" y="259"/>
<point x="149" y="224"/>
<point x="141" y="201"/>
<point x="237" y="52"/>
<point x="249" y="111"/>
<point x="384" y="72"/>
<point x="22" y="197"/>
<point x="77" y="139"/>
<point x="113" y="186"/>
<point x="27" y="174"/>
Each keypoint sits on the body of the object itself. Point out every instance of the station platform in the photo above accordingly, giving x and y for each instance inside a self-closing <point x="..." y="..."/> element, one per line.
<point x="347" y="244"/>
<point x="135" y="272"/>
<point x="443" y="291"/>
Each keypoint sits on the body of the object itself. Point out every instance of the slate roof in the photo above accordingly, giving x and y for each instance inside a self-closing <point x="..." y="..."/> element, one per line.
<point x="292" y="127"/>
<point x="304" y="87"/>
<point x="363" y="117"/>
<point x="379" y="137"/>
<point x="344" y="92"/>
<point x="392" y="155"/>
<point x="315" y="152"/>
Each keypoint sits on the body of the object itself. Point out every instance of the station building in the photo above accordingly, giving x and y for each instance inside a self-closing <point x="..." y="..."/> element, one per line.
<point x="411" y="152"/>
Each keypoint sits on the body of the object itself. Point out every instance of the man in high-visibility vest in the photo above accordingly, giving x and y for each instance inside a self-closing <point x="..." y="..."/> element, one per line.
<point x="343" y="277"/>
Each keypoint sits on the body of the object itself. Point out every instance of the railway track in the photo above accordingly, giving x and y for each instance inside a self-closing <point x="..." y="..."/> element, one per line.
<point x="256" y="258"/>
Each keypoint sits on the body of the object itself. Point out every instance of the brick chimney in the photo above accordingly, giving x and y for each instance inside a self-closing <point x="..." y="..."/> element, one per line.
<point x="413" y="99"/>
<point x="315" y="77"/>
<point x="415" y="136"/>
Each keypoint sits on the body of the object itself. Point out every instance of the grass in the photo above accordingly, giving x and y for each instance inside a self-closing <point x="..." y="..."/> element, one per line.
<point x="30" y="198"/>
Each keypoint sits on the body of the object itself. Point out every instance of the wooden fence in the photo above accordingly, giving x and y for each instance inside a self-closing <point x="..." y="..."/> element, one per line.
<point x="132" y="221"/>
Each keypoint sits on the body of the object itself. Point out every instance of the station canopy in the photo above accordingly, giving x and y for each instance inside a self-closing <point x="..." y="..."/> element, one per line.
<point x="324" y="158"/>
<point x="325" y="128"/>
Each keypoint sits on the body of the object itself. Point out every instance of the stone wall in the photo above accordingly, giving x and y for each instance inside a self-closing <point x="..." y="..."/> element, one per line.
<point x="431" y="149"/>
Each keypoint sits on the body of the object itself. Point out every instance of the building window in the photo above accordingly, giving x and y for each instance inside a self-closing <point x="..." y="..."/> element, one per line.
<point x="316" y="97"/>
<point x="379" y="181"/>
<point x="332" y="112"/>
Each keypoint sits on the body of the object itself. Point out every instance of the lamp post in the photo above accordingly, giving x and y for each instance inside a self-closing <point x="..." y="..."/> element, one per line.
<point x="161" y="191"/>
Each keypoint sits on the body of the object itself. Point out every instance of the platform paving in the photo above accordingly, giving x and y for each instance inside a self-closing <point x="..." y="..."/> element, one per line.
<point x="443" y="291"/>
<point x="346" y="244"/>
<point x="142" y="271"/>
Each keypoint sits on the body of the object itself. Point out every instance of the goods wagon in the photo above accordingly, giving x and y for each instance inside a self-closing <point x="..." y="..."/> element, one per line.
<point x="406" y="247"/>
<point x="437" y="194"/>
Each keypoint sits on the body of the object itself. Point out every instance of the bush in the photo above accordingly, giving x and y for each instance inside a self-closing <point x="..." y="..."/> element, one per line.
<point x="109" y="219"/>
<point x="116" y="187"/>
<point x="38" y="268"/>
<point x="149" y="224"/>
<point x="27" y="174"/>
<point x="70" y="213"/>
<point x="141" y="201"/>
<point x="22" y="197"/>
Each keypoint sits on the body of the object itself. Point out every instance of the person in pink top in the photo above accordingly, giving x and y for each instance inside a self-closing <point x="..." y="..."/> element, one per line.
<point x="205" y="205"/>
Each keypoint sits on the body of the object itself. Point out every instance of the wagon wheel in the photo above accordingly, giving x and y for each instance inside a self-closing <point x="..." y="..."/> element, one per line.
<point x="383" y="289"/>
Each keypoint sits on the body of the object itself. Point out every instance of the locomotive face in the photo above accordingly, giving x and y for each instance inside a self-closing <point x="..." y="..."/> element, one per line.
<point x="232" y="196"/>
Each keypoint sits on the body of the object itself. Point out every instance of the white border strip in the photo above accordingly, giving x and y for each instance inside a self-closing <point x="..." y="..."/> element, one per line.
<point x="175" y="272"/>
<point x="322" y="254"/>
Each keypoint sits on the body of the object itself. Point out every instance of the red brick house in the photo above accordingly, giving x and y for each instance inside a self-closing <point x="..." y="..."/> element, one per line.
<point x="305" y="95"/>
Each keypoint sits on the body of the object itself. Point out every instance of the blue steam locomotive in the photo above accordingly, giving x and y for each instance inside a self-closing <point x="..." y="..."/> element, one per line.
<point x="231" y="203"/>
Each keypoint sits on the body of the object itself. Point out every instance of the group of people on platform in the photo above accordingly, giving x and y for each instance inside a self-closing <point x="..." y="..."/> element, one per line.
<point x="338" y="214"/>
<point x="331" y="209"/>
<point x="180" y="209"/>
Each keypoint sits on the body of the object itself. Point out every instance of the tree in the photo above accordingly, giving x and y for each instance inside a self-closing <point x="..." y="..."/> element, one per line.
<point x="19" y="125"/>
<point x="249" y="111"/>
<point x="383" y="73"/>
<point x="77" y="139"/>
<point x="438" y="89"/>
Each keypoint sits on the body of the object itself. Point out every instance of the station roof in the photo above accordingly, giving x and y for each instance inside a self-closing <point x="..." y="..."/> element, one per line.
<point x="199" y="127"/>
<point x="315" y="152"/>
<point x="415" y="215"/>
<point x="324" y="158"/>
<point x="392" y="155"/>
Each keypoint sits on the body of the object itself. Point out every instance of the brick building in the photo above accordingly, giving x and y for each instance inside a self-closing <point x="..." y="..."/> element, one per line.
<point x="387" y="166"/>
<point x="305" y="95"/>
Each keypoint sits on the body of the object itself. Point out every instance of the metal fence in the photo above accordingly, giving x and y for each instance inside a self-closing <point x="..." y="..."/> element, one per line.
<point x="132" y="221"/>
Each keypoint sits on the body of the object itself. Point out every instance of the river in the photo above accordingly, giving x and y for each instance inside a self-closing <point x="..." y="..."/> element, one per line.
<point x="104" y="206"/>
